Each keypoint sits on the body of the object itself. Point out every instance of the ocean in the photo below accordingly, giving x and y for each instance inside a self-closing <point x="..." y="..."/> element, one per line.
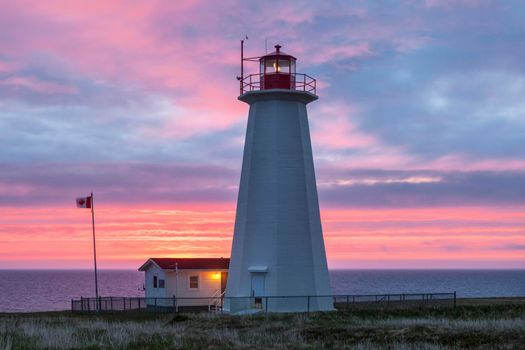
<point x="48" y="290"/>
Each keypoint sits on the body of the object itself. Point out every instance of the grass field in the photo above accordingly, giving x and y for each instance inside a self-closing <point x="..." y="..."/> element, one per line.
<point x="474" y="324"/>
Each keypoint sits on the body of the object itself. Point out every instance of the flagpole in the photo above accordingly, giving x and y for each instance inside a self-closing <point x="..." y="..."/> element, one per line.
<point x="94" y="247"/>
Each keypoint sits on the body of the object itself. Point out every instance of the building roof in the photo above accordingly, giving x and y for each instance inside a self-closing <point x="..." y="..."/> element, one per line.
<point x="188" y="263"/>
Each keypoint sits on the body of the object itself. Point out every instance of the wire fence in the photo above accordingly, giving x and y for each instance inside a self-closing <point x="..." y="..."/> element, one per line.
<point x="308" y="303"/>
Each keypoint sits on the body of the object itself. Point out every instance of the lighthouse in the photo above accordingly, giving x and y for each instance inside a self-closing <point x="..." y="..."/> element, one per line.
<point x="278" y="259"/>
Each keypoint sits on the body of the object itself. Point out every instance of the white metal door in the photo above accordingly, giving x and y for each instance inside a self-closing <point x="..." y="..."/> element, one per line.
<point x="258" y="284"/>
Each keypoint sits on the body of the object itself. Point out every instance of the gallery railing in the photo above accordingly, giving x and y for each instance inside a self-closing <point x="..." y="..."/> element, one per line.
<point x="296" y="81"/>
<point x="305" y="303"/>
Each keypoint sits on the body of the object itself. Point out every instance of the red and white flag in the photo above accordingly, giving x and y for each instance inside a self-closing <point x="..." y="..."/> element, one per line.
<point x="84" y="202"/>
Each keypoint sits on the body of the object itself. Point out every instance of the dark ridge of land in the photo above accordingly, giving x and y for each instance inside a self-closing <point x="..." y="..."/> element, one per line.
<point x="486" y="323"/>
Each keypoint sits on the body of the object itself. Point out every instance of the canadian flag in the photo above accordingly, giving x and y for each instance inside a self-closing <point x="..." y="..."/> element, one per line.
<point x="84" y="202"/>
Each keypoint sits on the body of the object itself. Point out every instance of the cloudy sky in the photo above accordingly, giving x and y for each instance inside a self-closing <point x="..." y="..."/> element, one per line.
<point x="418" y="135"/>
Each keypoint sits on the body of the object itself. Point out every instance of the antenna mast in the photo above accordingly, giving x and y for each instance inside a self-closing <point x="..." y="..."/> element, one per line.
<point x="242" y="59"/>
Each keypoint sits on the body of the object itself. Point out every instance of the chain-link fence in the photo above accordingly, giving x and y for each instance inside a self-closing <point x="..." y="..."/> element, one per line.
<point x="306" y="303"/>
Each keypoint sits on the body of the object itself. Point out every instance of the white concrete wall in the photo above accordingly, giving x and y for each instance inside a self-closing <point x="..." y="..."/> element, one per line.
<point x="209" y="283"/>
<point x="278" y="224"/>
<point x="151" y="292"/>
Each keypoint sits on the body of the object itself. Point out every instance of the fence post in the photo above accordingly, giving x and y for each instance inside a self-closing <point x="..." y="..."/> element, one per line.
<point x="155" y="307"/>
<point x="82" y="304"/>
<point x="266" y="305"/>
<point x="454" y="299"/>
<point x="347" y="302"/>
<point x="111" y="303"/>
<point x="124" y="303"/>
<point x="175" y="303"/>
<point x="99" y="304"/>
<point x="308" y="303"/>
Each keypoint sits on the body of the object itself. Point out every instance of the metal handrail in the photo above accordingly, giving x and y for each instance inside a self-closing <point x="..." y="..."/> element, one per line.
<point x="302" y="82"/>
<point x="216" y="299"/>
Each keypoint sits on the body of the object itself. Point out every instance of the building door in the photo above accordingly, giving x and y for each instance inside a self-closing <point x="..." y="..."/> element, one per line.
<point x="224" y="279"/>
<point x="258" y="284"/>
<point x="258" y="289"/>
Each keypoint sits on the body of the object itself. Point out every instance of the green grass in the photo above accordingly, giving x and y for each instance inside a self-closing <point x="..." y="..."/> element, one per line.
<point x="485" y="326"/>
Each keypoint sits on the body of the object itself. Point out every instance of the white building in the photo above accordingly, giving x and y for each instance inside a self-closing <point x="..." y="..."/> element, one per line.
<point x="278" y="259"/>
<point x="193" y="282"/>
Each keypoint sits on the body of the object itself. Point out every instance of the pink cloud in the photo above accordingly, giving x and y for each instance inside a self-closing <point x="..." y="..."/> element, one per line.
<point x="376" y="156"/>
<point x="6" y="66"/>
<point x="454" y="3"/>
<point x="154" y="47"/>
<point x="140" y="50"/>
<point x="459" y="161"/>
<point x="38" y="85"/>
<point x="333" y="129"/>
<point x="338" y="53"/>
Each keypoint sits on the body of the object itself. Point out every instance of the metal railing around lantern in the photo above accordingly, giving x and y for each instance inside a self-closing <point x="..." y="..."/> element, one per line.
<point x="298" y="82"/>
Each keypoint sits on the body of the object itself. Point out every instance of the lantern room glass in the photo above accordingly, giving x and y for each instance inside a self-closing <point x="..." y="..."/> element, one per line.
<point x="278" y="65"/>
<point x="283" y="66"/>
<point x="270" y="66"/>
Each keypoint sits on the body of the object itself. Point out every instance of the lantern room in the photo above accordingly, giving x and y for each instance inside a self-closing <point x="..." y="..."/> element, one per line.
<point x="277" y="70"/>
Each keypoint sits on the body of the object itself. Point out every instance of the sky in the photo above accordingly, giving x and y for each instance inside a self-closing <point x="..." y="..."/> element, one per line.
<point x="418" y="134"/>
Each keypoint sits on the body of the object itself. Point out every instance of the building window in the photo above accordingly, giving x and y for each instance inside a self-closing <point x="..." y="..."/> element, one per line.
<point x="161" y="283"/>
<point x="154" y="281"/>
<point x="194" y="282"/>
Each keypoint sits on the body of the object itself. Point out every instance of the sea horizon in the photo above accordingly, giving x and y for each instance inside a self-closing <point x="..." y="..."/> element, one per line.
<point x="32" y="290"/>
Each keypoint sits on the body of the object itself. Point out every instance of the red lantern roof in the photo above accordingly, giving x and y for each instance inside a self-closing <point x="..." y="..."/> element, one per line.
<point x="277" y="53"/>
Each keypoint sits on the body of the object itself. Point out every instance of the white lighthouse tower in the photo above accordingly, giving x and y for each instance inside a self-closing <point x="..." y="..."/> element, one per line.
<point x="278" y="259"/>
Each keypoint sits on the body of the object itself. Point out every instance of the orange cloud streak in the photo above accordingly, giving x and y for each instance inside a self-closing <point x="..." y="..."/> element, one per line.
<point x="444" y="237"/>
